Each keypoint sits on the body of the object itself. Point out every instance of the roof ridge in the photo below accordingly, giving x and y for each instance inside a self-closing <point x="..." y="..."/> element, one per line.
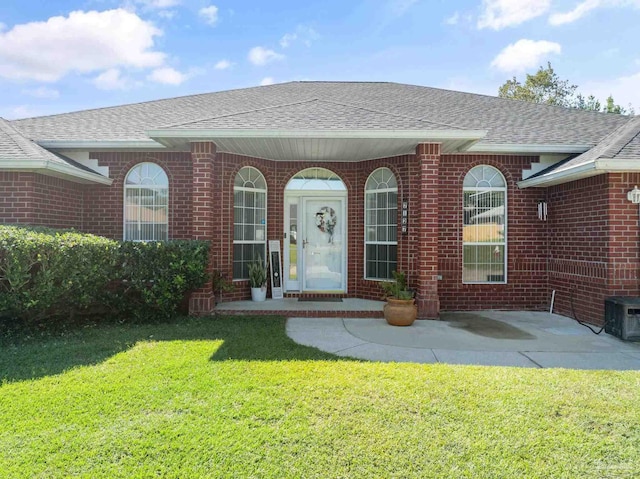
<point x="145" y="102"/>
<point x="226" y="115"/>
<point x="25" y="144"/>
<point x="397" y="115"/>
<point x="631" y="126"/>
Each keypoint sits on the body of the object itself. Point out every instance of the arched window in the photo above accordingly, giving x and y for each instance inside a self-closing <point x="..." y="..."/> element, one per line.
<point x="484" y="227"/>
<point x="249" y="220"/>
<point x="381" y="225"/>
<point x="146" y="203"/>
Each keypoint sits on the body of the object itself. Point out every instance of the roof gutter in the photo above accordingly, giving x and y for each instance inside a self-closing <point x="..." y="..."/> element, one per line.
<point x="585" y="170"/>
<point x="87" y="145"/>
<point x="52" y="168"/>
<point x="528" y="148"/>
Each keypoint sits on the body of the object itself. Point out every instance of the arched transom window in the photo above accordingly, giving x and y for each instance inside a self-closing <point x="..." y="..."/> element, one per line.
<point x="249" y="220"/>
<point x="381" y="225"/>
<point x="484" y="230"/>
<point x="146" y="203"/>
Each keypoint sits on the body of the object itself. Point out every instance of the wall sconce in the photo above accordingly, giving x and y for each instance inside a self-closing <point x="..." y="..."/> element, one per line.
<point x="542" y="210"/>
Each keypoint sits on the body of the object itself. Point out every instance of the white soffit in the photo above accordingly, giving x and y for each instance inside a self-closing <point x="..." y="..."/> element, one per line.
<point x="320" y="145"/>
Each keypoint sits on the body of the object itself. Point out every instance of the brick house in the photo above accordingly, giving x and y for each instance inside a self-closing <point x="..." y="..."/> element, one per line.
<point x="485" y="203"/>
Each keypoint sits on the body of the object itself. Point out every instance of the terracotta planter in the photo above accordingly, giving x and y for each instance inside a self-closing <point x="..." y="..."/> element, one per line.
<point x="400" y="312"/>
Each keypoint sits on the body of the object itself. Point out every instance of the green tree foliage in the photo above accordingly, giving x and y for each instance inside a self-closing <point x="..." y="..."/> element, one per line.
<point x="542" y="87"/>
<point x="545" y="86"/>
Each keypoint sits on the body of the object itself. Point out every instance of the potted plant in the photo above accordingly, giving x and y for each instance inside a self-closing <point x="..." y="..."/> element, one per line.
<point x="258" y="279"/>
<point x="400" y="309"/>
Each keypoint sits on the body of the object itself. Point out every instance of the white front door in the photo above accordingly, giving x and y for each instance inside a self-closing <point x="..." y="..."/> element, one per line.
<point x="323" y="241"/>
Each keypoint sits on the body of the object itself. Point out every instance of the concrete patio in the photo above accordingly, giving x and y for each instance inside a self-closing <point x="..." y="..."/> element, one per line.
<point x="491" y="338"/>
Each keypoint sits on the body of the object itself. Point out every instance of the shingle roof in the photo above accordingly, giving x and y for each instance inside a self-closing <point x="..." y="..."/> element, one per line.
<point x="15" y="147"/>
<point x="357" y="105"/>
<point x="621" y="144"/>
<point x="312" y="115"/>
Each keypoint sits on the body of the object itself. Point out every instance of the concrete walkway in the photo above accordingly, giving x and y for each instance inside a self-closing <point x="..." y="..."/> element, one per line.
<point x="492" y="338"/>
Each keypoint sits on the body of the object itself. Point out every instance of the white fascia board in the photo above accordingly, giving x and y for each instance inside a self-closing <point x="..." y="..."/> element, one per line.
<point x="591" y="168"/>
<point x="100" y="144"/>
<point x="528" y="149"/>
<point x="563" y="176"/>
<point x="60" y="169"/>
<point x="195" y="135"/>
<point x="608" y="164"/>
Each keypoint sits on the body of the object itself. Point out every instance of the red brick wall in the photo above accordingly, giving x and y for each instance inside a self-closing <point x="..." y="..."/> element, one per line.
<point x="588" y="248"/>
<point x="526" y="286"/>
<point x="593" y="244"/>
<point x="31" y="198"/>
<point x="103" y="210"/>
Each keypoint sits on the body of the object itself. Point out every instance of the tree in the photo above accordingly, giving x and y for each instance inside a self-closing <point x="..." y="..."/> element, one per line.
<point x="543" y="87"/>
<point x="546" y="87"/>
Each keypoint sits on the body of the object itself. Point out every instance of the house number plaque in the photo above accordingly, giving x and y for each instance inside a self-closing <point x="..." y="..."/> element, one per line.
<point x="404" y="221"/>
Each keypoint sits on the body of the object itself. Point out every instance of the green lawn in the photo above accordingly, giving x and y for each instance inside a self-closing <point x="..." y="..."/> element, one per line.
<point x="234" y="397"/>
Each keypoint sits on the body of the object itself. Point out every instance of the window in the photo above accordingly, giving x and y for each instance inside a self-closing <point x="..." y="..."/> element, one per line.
<point x="146" y="203"/>
<point x="249" y="220"/>
<point x="484" y="234"/>
<point x="381" y="225"/>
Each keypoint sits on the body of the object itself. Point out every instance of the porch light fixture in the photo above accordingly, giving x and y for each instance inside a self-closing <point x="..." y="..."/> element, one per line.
<point x="634" y="195"/>
<point x="542" y="210"/>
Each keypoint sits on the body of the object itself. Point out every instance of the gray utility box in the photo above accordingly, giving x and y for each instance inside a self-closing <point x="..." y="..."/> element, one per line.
<point x="622" y="317"/>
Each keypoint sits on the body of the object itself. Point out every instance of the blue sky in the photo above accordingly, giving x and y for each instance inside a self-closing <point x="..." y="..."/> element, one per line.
<point x="65" y="55"/>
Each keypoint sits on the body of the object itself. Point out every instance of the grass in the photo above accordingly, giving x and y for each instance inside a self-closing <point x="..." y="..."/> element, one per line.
<point x="234" y="397"/>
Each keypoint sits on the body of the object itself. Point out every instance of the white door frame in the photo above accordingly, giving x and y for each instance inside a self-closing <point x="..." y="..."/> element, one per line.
<point x="297" y="197"/>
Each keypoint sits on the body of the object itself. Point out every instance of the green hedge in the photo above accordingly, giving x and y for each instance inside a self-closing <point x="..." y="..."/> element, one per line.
<point x="48" y="274"/>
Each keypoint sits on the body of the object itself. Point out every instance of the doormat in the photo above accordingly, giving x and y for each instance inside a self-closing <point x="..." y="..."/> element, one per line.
<point x="319" y="299"/>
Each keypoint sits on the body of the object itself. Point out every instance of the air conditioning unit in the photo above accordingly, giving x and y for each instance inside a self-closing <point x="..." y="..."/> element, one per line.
<point x="622" y="317"/>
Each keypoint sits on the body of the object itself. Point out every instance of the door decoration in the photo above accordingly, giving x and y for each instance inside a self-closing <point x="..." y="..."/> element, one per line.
<point x="326" y="221"/>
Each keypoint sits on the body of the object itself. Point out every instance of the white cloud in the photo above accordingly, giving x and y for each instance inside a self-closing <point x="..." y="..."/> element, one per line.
<point x="267" y="81"/>
<point x="42" y="92"/>
<point x="223" y="65"/>
<point x="524" y="54"/>
<point x="111" y="80"/>
<point x="453" y="19"/>
<point x="498" y="14"/>
<point x="158" y="4"/>
<point x="262" y="56"/>
<point x="578" y="12"/>
<point x="3" y="26"/>
<point x="286" y="40"/>
<point x="167" y="14"/>
<point x="303" y="33"/>
<point x="400" y="7"/>
<point x="167" y="76"/>
<point x="623" y="89"/>
<point x="209" y="14"/>
<point x="22" y="111"/>
<point x="83" y="42"/>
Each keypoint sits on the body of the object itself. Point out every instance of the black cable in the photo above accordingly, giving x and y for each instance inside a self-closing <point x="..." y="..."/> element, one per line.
<point x="573" y="311"/>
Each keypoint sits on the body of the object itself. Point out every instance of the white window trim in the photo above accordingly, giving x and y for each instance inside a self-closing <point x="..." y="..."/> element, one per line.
<point x="479" y="243"/>
<point x="126" y="187"/>
<point x="266" y="210"/>
<point x="366" y="242"/>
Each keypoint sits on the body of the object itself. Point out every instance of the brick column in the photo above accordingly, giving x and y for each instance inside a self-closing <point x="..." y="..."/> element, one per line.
<point x="426" y="221"/>
<point x="202" y="301"/>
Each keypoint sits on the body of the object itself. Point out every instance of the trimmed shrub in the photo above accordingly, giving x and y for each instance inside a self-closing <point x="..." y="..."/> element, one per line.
<point x="55" y="275"/>
<point x="46" y="272"/>
<point x="154" y="277"/>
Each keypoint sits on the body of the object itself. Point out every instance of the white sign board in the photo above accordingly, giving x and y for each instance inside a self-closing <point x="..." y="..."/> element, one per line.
<point x="276" y="269"/>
